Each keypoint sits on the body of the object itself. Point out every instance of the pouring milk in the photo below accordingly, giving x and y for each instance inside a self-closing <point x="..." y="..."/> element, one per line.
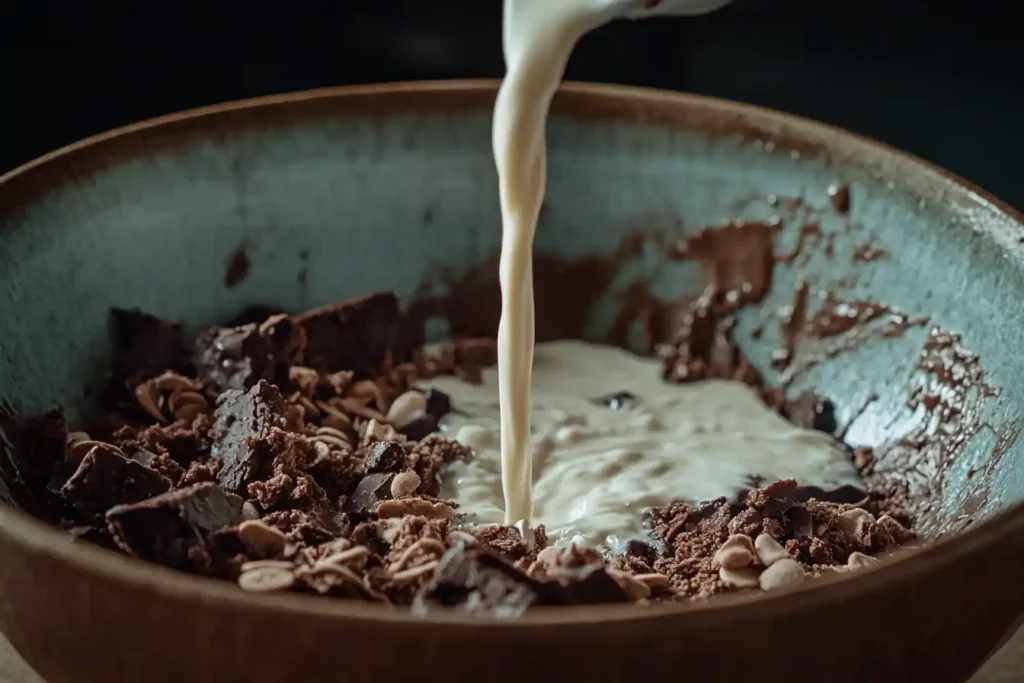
<point x="538" y="37"/>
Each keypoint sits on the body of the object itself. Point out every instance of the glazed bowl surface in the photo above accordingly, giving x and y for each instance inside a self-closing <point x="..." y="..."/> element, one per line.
<point x="337" y="192"/>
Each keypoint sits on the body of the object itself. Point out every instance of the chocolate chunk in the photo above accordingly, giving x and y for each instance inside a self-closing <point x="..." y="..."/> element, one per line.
<point x="479" y="582"/>
<point x="243" y="420"/>
<point x="439" y="403"/>
<point x="846" y="495"/>
<point x="164" y="528"/>
<point x="106" y="478"/>
<point x="420" y="427"/>
<point x="220" y="556"/>
<point x="30" y="450"/>
<point x="587" y="585"/>
<point x="386" y="456"/>
<point x="238" y="357"/>
<point x="145" y="347"/>
<point x="620" y="400"/>
<point x="642" y="550"/>
<point x="352" y="335"/>
<point x="810" y="411"/>
<point x="798" y="522"/>
<point x="38" y="446"/>
<point x="371" y="490"/>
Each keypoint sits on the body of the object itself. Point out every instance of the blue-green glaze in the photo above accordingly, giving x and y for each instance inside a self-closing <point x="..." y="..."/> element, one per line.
<point x="334" y="203"/>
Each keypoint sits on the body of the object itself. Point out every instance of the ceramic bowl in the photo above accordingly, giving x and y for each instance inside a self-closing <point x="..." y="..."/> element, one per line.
<point x="336" y="192"/>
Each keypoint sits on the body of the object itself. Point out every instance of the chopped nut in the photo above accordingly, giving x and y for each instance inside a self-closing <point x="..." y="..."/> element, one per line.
<point x="737" y="552"/>
<point x="457" y="536"/>
<point x="861" y="561"/>
<point x="406" y="407"/>
<point x="357" y="407"/>
<point x="781" y="573"/>
<point x="345" y="556"/>
<point x="769" y="551"/>
<point x="148" y="397"/>
<point x="77" y="437"/>
<point x="854" y="524"/>
<point x="381" y="431"/>
<point x="333" y="438"/>
<point x="180" y="399"/>
<point x="635" y="589"/>
<point x="266" y="580"/>
<point x="414" y="506"/>
<point x="77" y="451"/>
<point x="424" y="545"/>
<point x="368" y="389"/>
<point x="405" y="484"/>
<point x="173" y="382"/>
<point x="739" y="578"/>
<point x="249" y="512"/>
<point x="261" y="539"/>
<point x="413" y="573"/>
<point x="263" y="564"/>
<point x="653" y="581"/>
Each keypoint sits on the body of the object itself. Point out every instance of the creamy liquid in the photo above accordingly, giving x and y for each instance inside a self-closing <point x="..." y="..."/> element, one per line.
<point x="538" y="37"/>
<point x="598" y="468"/>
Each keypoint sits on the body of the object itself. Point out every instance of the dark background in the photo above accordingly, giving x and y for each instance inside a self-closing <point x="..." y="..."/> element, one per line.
<point x="940" y="79"/>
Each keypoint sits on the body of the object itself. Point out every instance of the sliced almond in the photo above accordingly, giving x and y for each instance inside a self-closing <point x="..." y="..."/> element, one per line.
<point x="266" y="580"/>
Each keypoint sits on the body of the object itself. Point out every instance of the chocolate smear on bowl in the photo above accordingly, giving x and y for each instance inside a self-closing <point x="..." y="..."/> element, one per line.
<point x="236" y="268"/>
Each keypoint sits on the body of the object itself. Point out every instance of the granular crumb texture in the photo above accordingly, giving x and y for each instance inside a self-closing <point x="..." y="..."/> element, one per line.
<point x="295" y="454"/>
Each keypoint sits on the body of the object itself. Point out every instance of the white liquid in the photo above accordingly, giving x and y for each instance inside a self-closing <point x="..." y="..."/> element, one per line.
<point x="597" y="469"/>
<point x="538" y="37"/>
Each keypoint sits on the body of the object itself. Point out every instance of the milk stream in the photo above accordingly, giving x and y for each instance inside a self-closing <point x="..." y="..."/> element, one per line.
<point x="538" y="37"/>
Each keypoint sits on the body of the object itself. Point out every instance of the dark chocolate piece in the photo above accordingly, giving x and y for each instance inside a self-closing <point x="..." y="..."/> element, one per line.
<point x="420" y="427"/>
<point x="587" y="585"/>
<point x="106" y="478"/>
<point x="371" y="490"/>
<point x="352" y="335"/>
<point x="386" y="456"/>
<point x="243" y="420"/>
<point x="620" y="400"/>
<point x="236" y="358"/>
<point x="845" y="495"/>
<point x="30" y="450"/>
<point x="810" y="411"/>
<point x="439" y="403"/>
<point x="164" y="528"/>
<point x="479" y="582"/>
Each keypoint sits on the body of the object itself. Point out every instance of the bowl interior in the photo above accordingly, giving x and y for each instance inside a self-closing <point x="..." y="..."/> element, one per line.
<point x="330" y="195"/>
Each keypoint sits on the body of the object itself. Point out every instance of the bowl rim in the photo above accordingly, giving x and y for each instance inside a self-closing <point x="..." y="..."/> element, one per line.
<point x="1003" y="224"/>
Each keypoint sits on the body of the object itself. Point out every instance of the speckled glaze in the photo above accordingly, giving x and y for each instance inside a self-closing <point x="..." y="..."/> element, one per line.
<point x="336" y="192"/>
